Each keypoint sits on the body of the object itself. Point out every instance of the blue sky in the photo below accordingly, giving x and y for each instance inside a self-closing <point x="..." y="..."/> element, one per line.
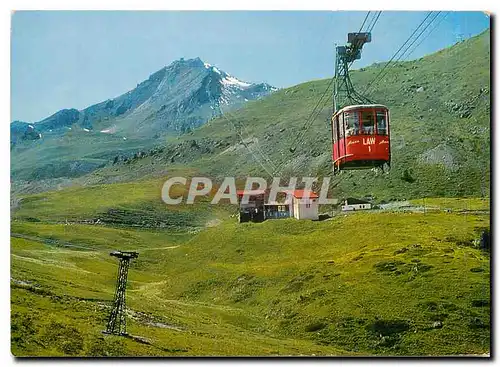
<point x="71" y="59"/>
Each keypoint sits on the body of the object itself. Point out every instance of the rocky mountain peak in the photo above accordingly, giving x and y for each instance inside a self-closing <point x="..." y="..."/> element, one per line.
<point x="178" y="97"/>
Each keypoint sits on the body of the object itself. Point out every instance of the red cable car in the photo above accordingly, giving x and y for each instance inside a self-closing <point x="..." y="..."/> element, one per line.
<point x="360" y="137"/>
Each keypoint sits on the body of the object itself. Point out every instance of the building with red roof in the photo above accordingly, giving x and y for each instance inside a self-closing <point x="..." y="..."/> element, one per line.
<point x="303" y="204"/>
<point x="303" y="194"/>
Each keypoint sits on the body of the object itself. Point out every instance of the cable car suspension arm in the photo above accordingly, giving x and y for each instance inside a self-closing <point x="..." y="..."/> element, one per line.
<point x="343" y="84"/>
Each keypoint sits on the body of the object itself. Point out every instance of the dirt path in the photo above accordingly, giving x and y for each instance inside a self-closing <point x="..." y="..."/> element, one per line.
<point x="157" y="248"/>
<point x="54" y="242"/>
<point x="60" y="264"/>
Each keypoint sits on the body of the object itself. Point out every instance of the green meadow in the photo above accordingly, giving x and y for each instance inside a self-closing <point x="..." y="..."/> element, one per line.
<point x="364" y="283"/>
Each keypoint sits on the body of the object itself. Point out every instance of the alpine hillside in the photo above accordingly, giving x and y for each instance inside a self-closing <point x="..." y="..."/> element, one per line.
<point x="440" y="132"/>
<point x="409" y="278"/>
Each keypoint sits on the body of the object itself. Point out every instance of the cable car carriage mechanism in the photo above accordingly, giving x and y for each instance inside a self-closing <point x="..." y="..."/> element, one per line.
<point x="360" y="128"/>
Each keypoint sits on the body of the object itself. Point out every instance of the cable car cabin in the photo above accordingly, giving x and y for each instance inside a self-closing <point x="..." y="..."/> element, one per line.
<point x="360" y="137"/>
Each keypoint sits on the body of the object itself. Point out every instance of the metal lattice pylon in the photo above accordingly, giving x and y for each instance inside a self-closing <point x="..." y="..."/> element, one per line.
<point x="117" y="322"/>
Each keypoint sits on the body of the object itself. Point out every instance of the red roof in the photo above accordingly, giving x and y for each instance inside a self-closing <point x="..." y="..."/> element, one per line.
<point x="299" y="194"/>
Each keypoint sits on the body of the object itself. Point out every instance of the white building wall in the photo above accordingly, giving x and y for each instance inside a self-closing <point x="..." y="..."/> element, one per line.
<point x="301" y="211"/>
<point x="352" y="207"/>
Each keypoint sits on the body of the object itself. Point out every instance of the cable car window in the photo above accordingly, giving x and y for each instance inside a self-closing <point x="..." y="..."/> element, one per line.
<point x="381" y="123"/>
<point x="368" y="122"/>
<point x="341" y="126"/>
<point x="352" y="123"/>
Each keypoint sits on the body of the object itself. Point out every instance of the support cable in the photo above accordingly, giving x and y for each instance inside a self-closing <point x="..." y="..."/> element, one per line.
<point x="396" y="53"/>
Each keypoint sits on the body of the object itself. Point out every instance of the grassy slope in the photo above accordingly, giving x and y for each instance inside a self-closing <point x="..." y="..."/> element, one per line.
<point x="57" y="156"/>
<point x="132" y="204"/>
<point x="422" y="123"/>
<point x="308" y="274"/>
<point x="367" y="283"/>
<point x="280" y="287"/>
<point x="61" y="310"/>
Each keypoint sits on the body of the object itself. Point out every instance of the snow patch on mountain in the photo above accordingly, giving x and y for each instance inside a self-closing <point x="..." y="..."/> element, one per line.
<point x="109" y="130"/>
<point x="230" y="81"/>
<point x="211" y="67"/>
